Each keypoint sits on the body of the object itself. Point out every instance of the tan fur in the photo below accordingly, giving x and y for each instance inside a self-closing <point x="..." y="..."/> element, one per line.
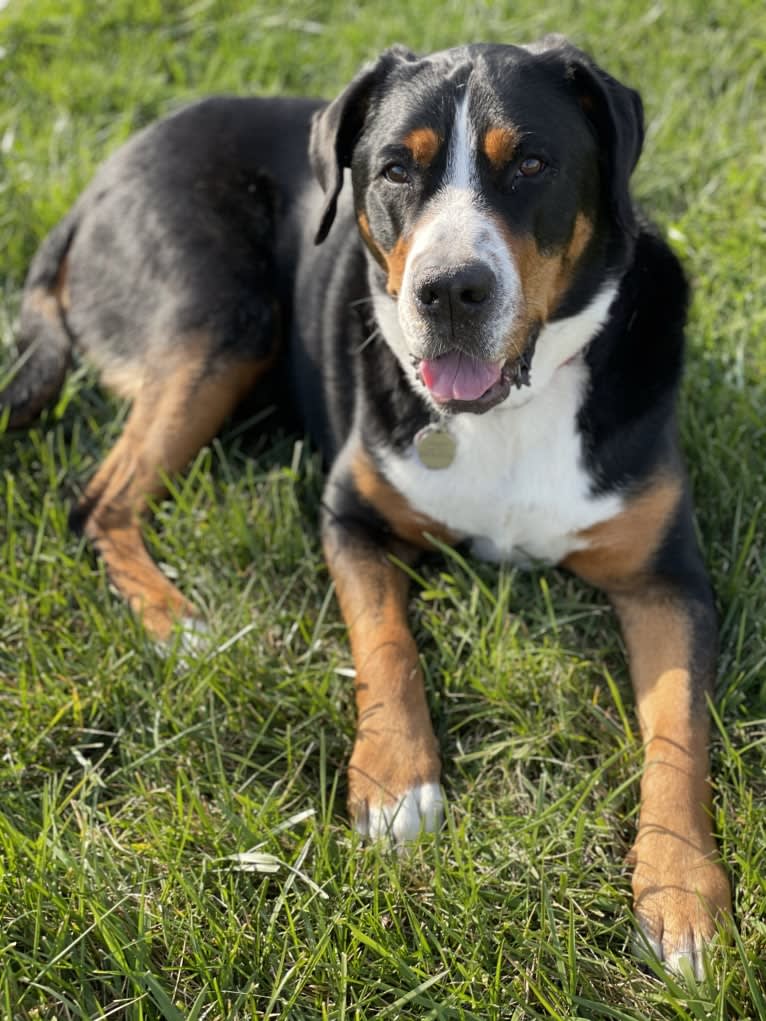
<point x="138" y="579"/>
<point x="396" y="261"/>
<point x="499" y="144"/>
<point x="545" y="278"/>
<point x="44" y="303"/>
<point x="369" y="240"/>
<point x="395" y="510"/>
<point x="424" y="144"/>
<point x="120" y="376"/>
<point x="619" y="550"/>
<point x="173" y="415"/>
<point x="62" y="285"/>
<point x="581" y="235"/>
<point x="395" y="746"/>
<point x="50" y="303"/>
<point x="393" y="262"/>
<point x="679" y="887"/>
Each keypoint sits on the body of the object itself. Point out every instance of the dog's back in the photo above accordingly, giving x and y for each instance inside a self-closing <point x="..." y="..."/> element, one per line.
<point x="174" y="236"/>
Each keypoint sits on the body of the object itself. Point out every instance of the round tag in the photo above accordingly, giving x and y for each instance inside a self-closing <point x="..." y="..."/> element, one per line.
<point x="435" y="446"/>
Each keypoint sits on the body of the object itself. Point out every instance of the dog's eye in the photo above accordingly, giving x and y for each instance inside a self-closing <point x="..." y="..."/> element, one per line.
<point x="396" y="173"/>
<point x="531" y="166"/>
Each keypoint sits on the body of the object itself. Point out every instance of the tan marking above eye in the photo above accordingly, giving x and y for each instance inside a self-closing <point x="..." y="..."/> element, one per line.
<point x="424" y="144"/>
<point x="499" y="145"/>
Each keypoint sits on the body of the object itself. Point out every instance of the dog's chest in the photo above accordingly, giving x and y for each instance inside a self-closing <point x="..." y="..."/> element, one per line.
<point x="517" y="488"/>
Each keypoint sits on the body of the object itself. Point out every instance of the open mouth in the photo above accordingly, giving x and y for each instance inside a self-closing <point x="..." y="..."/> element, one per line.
<point x="460" y="383"/>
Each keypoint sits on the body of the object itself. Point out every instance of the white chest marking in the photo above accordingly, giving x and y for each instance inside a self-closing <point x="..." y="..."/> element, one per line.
<point x="518" y="487"/>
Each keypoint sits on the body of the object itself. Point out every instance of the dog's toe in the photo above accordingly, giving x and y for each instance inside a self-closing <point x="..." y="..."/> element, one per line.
<point x="418" y="810"/>
<point x="682" y="956"/>
<point x="190" y="640"/>
<point x="688" y="957"/>
<point x="680" y="911"/>
<point x="195" y="636"/>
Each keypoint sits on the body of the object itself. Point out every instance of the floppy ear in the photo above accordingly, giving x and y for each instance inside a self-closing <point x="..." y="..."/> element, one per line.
<point x="617" y="115"/>
<point x="335" y="129"/>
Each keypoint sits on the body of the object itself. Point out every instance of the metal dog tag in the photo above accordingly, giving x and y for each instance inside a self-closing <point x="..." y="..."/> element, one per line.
<point x="435" y="446"/>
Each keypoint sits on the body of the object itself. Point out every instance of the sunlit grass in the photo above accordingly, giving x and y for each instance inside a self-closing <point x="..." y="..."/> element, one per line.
<point x="130" y="779"/>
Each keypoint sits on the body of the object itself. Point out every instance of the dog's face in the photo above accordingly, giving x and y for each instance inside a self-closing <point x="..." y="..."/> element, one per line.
<point x="491" y="190"/>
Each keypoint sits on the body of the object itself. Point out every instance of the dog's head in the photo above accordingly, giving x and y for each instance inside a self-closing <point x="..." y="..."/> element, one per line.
<point x="491" y="190"/>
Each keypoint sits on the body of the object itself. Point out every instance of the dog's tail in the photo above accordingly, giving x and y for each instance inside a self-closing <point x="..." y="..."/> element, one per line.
<point x="43" y="340"/>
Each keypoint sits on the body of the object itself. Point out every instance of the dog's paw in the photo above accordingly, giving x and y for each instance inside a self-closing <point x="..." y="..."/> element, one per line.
<point x="394" y="791"/>
<point x="679" y="903"/>
<point x="194" y="636"/>
<point x="191" y="639"/>
<point x="418" y="810"/>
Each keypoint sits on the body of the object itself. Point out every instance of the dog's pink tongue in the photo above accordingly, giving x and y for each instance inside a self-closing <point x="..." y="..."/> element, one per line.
<point x="457" y="377"/>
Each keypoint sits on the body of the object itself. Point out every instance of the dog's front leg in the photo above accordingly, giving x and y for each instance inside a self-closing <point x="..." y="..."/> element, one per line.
<point x="394" y="770"/>
<point x="648" y="562"/>
<point x="680" y="890"/>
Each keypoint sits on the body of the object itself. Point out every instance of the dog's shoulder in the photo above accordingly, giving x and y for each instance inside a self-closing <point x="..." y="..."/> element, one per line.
<point x="635" y="366"/>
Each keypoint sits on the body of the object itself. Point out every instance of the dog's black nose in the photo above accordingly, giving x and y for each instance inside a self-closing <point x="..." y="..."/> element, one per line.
<point x="457" y="293"/>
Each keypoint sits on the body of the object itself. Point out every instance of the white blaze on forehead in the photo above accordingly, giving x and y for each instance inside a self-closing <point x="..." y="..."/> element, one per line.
<point x="461" y="156"/>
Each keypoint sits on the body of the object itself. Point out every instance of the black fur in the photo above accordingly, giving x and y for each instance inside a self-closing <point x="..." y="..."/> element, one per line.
<point x="207" y="221"/>
<point x="43" y="340"/>
<point x="194" y="248"/>
<point x="636" y="364"/>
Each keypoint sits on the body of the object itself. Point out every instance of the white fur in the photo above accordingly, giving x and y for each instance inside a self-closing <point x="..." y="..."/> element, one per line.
<point x="419" y="809"/>
<point x="462" y="171"/>
<point x="196" y="636"/>
<point x="518" y="487"/>
<point x="686" y="958"/>
<point x="456" y="223"/>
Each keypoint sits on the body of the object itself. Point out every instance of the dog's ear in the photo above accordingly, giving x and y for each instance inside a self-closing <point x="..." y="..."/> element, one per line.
<point x="617" y="116"/>
<point x="335" y="129"/>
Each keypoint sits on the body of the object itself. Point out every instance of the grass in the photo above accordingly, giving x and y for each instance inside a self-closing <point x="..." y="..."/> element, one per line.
<point x="129" y="780"/>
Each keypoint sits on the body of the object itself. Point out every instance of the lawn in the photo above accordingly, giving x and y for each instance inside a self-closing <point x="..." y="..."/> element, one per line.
<point x="131" y="780"/>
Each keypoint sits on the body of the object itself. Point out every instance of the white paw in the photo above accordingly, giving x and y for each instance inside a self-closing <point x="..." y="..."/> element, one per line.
<point x="194" y="637"/>
<point x="190" y="640"/>
<point x="420" y="809"/>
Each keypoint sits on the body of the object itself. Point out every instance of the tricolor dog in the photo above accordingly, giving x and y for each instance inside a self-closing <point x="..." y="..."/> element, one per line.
<point x="480" y="333"/>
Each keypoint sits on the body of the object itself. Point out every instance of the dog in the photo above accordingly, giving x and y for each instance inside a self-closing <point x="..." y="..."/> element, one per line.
<point x="483" y="337"/>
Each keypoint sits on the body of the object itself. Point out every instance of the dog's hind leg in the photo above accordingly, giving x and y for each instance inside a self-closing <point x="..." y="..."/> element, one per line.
<point x="174" y="413"/>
